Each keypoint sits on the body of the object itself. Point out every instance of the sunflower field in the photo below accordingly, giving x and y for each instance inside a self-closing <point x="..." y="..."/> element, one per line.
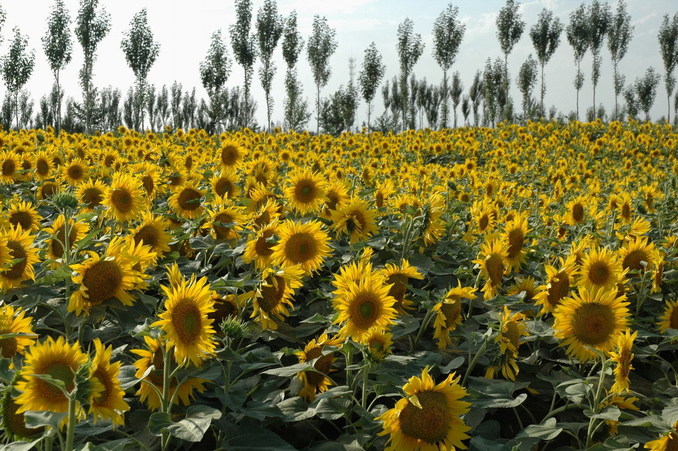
<point x="513" y="288"/>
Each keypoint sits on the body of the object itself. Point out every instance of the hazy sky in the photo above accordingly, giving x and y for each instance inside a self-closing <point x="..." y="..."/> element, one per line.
<point x="183" y="30"/>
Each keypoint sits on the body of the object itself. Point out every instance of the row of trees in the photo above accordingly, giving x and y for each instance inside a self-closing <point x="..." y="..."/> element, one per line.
<point x="407" y="100"/>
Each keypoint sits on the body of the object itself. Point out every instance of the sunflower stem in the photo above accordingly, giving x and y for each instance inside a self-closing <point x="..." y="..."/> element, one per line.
<point x="366" y="376"/>
<point x="166" y="401"/>
<point x="424" y="325"/>
<point x="594" y="408"/>
<point x="70" y="431"/>
<point x="476" y="357"/>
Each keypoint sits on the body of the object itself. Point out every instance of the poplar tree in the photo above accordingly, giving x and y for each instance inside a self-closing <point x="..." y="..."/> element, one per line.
<point x="58" y="46"/>
<point x="17" y="67"/>
<point x="296" y="108"/>
<point x="545" y="35"/>
<point x="455" y="93"/>
<point x="527" y="78"/>
<point x="668" y="45"/>
<point x="321" y="45"/>
<point x="214" y="72"/>
<point x="577" y="36"/>
<point x="371" y="74"/>
<point x="92" y="26"/>
<point x="646" y="89"/>
<point x="244" y="50"/>
<point x="410" y="48"/>
<point x="448" y="32"/>
<point x="510" y="27"/>
<point x="618" y="38"/>
<point x="599" y="23"/>
<point x="141" y="51"/>
<point x="269" y="30"/>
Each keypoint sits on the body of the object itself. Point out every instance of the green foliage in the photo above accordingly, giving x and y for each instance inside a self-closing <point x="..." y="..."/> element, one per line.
<point x="320" y="47"/>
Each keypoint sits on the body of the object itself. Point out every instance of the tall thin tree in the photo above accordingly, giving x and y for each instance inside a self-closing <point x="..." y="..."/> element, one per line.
<point x="510" y="27"/>
<point x="269" y="30"/>
<point x="141" y="51"/>
<point x="92" y="26"/>
<point x="58" y="45"/>
<point x="599" y="18"/>
<point x="578" y="37"/>
<point x="545" y="35"/>
<point x="527" y="78"/>
<point x="668" y="45"/>
<point x="321" y="45"/>
<point x="646" y="89"/>
<point x="244" y="49"/>
<point x="371" y="74"/>
<point x="410" y="48"/>
<point x="618" y="37"/>
<point x="455" y="94"/>
<point x="17" y="67"/>
<point x="296" y="108"/>
<point x="448" y="32"/>
<point x="214" y="72"/>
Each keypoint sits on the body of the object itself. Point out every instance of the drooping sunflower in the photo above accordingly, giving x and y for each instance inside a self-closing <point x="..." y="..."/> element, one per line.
<point x="483" y="216"/>
<point x="434" y="226"/>
<point x="181" y="394"/>
<point x="305" y="192"/>
<point x="274" y="295"/>
<point x="364" y="306"/>
<point x="383" y="192"/>
<point x="15" y="321"/>
<point x="492" y="262"/>
<point x="185" y="321"/>
<point x="231" y="154"/>
<point x="259" y="247"/>
<point x="77" y="230"/>
<point x="591" y="321"/>
<point x="511" y="328"/>
<point x="428" y="417"/>
<point x="47" y="189"/>
<point x="527" y="284"/>
<point x="514" y="234"/>
<point x="14" y="423"/>
<point x="90" y="194"/>
<point x="581" y="209"/>
<point x="152" y="231"/>
<point x="398" y="277"/>
<point x="557" y="286"/>
<point x="109" y="403"/>
<point x="150" y="176"/>
<point x="354" y="218"/>
<point x="448" y="313"/>
<point x="124" y="199"/>
<point x="186" y="201"/>
<point x="101" y="278"/>
<point x="23" y="214"/>
<point x="305" y="244"/>
<point x="57" y="359"/>
<point x="225" y="221"/>
<point x="75" y="172"/>
<point x="669" y="320"/>
<point x="622" y="356"/>
<point x="378" y="345"/>
<point x="23" y="256"/>
<point x="316" y="381"/>
<point x="600" y="269"/>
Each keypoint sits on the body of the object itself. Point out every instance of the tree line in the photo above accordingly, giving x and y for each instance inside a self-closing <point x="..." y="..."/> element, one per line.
<point x="408" y="102"/>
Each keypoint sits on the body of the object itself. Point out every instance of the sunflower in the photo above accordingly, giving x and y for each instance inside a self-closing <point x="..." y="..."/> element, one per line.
<point x="527" y="284"/>
<point x="14" y="423"/>
<point x="511" y="328"/>
<point x="316" y="381"/>
<point x="259" y="247"/>
<point x="514" y="234"/>
<point x="591" y="321"/>
<point x="101" y="278"/>
<point x="187" y="201"/>
<point x="579" y="210"/>
<point x="150" y="176"/>
<point x="428" y="418"/>
<point x="637" y="254"/>
<point x="622" y="357"/>
<point x="364" y="306"/>
<point x="23" y="254"/>
<point x="398" y="277"/>
<point x="382" y="193"/>
<point x="108" y="404"/>
<point x="274" y="294"/>
<point x="90" y="194"/>
<point x="492" y="259"/>
<point x="43" y="165"/>
<point x="483" y="216"/>
<point x="124" y="199"/>
<point x="231" y="154"/>
<point x="557" y="286"/>
<point x="378" y="345"/>
<point x="448" y="314"/>
<point x="305" y="244"/>
<point x="355" y="219"/>
<point x="335" y="196"/>
<point x="225" y="221"/>
<point x="152" y="232"/>
<point x="267" y="213"/>
<point x="306" y="191"/>
<point x="77" y="230"/>
<point x="9" y="166"/>
<point x="141" y="257"/>
<point x="225" y="185"/>
<point x="75" y="172"/>
<point x="181" y="393"/>
<point x="24" y="215"/>
<point x="57" y="359"/>
<point x="15" y="322"/>
<point x="185" y="321"/>
<point x="601" y="269"/>
<point x="262" y="170"/>
<point x="47" y="189"/>
<point x="352" y="273"/>
<point x="434" y="226"/>
<point x="669" y="320"/>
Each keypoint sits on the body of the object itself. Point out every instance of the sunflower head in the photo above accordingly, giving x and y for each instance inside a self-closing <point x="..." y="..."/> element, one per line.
<point x="601" y="269"/>
<point x="14" y="321"/>
<point x="306" y="191"/>
<point x="305" y="244"/>
<point x="124" y="198"/>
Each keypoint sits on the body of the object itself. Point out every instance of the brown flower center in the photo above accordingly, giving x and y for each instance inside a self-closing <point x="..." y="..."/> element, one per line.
<point x="599" y="273"/>
<point x="186" y="320"/>
<point x="301" y="247"/>
<point x="430" y="423"/>
<point x="593" y="323"/>
<point x="102" y="280"/>
<point x="189" y="199"/>
<point x="17" y="251"/>
<point x="122" y="200"/>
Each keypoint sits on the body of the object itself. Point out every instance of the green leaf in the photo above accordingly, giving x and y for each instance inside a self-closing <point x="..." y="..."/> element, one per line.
<point x="114" y="445"/>
<point x="453" y="365"/>
<point x="333" y="408"/>
<point x="670" y="413"/>
<point x="195" y="425"/>
<point x="609" y="413"/>
<point x="288" y="371"/>
<point x="295" y="409"/>
<point x="158" y="422"/>
<point x="37" y="419"/>
<point x="546" y="431"/>
<point x="22" y="446"/>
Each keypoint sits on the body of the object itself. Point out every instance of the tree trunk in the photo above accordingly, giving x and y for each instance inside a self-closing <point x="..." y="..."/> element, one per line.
<point x="317" y="106"/>
<point x="541" y="108"/>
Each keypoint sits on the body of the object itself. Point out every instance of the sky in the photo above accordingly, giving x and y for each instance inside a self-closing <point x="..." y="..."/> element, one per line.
<point x="184" y="28"/>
